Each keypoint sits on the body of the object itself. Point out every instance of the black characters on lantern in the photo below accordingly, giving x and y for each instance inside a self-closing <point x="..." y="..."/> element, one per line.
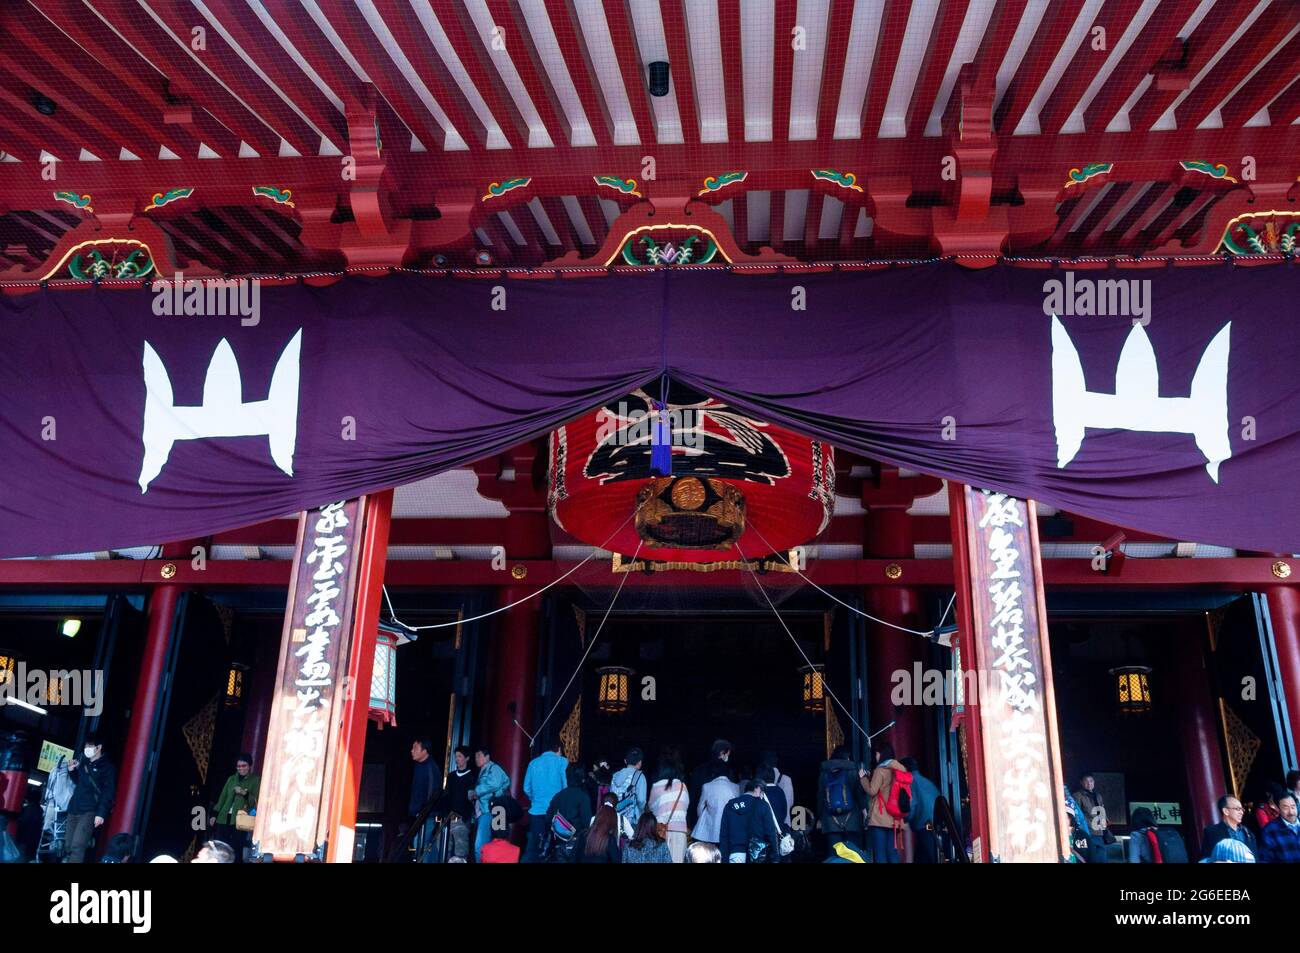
<point x="708" y="439"/>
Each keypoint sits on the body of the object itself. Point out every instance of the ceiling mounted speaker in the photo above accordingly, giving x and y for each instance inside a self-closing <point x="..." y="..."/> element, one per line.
<point x="658" y="78"/>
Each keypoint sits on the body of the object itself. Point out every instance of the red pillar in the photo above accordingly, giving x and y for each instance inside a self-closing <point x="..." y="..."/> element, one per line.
<point x="1199" y="735"/>
<point x="889" y="535"/>
<point x="1284" y="610"/>
<point x="514" y="692"/>
<point x="135" y="752"/>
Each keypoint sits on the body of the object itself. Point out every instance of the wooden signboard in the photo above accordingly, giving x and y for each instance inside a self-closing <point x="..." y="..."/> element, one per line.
<point x="311" y="684"/>
<point x="1017" y="707"/>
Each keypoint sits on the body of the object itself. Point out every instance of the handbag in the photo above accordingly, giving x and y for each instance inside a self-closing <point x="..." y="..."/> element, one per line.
<point x="786" y="843"/>
<point x="244" y="821"/>
<point x="661" y="829"/>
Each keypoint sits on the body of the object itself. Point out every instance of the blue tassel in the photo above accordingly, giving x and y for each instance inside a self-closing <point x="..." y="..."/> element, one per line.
<point x="661" y="443"/>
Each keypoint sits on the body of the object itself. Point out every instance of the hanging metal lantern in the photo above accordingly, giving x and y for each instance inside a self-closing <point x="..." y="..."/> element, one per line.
<point x="1132" y="689"/>
<point x="613" y="693"/>
<point x="814" y="688"/>
<point x="383" y="680"/>
<point x="235" y="685"/>
<point x="383" y="677"/>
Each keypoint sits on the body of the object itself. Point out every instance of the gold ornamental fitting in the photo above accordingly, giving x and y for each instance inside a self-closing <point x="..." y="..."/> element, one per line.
<point x="1282" y="569"/>
<point x="168" y="570"/>
<point x="518" y="571"/>
<point x="893" y="571"/>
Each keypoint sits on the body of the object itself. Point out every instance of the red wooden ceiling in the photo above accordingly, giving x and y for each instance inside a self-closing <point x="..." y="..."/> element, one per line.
<point x="224" y="95"/>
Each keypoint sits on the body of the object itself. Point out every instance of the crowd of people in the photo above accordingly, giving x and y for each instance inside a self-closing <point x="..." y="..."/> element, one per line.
<point x="1274" y="839"/>
<point x="710" y="814"/>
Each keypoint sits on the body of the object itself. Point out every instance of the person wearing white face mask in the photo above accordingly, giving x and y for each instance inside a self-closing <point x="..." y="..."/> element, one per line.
<point x="92" y="798"/>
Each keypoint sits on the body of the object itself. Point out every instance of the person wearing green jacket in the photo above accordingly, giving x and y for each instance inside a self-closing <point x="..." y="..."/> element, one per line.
<point x="238" y="794"/>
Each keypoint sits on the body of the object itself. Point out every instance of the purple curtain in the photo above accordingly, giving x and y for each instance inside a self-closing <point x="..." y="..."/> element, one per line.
<point x="122" y="426"/>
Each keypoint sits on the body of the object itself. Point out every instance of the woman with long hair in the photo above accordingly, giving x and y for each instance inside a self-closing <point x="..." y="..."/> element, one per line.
<point x="600" y="841"/>
<point x="646" y="846"/>
<point x="669" y="801"/>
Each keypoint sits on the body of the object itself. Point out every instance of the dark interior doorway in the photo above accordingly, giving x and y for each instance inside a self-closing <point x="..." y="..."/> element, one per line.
<point x="709" y="676"/>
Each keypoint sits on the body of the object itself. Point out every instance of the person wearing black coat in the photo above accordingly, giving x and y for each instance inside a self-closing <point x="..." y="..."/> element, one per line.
<point x="842" y="773"/>
<point x="1229" y="828"/>
<point x="748" y="817"/>
<point x="92" y="798"/>
<point x="572" y="803"/>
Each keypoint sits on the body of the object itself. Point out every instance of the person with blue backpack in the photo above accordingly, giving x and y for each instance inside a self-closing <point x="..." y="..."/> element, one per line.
<point x="630" y="789"/>
<point x="841" y="800"/>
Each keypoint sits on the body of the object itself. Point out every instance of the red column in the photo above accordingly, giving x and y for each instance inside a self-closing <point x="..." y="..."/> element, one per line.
<point x="1284" y="610"/>
<point x="514" y="692"/>
<point x="1199" y="735"/>
<point x="135" y="752"/>
<point x="889" y="535"/>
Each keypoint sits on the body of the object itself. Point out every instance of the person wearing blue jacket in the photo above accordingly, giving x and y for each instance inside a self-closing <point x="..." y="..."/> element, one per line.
<point x="544" y="779"/>
<point x="492" y="782"/>
<point x="921" y="817"/>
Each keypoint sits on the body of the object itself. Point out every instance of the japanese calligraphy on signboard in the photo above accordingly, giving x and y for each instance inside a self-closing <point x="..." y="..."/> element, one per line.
<point x="311" y="683"/>
<point x="1016" y="705"/>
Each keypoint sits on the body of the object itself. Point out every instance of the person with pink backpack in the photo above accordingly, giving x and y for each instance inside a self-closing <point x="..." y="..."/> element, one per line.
<point x="889" y="786"/>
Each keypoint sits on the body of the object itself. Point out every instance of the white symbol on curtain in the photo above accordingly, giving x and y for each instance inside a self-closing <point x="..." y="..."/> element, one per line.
<point x="1136" y="404"/>
<point x="223" y="413"/>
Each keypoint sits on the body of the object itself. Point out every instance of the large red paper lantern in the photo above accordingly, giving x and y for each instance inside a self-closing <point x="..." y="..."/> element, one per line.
<point x="735" y="481"/>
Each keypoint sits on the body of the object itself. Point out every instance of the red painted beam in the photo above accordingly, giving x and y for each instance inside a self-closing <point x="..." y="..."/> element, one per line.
<point x="1182" y="61"/>
<point x="417" y="177"/>
<point x="474" y="55"/>
<point x="943" y="39"/>
<point x="1264" y="87"/>
<point x="1114" y="17"/>
<point x="27" y="60"/>
<point x="528" y="65"/>
<point x="254" y="38"/>
<point x="1240" y="574"/>
<point x="1286" y="108"/>
<point x="419" y="50"/>
<point x="1259" y="41"/>
<point x="635" y="83"/>
<point x="187" y="79"/>
<point x="733" y="78"/>
<point x="783" y="57"/>
<point x="577" y="60"/>
<point x="366" y="49"/>
<point x="888" y="47"/>
<point x="221" y="59"/>
<point x="1155" y="40"/>
<point x="130" y="71"/>
<point x="681" y="70"/>
<point x="1048" y="40"/>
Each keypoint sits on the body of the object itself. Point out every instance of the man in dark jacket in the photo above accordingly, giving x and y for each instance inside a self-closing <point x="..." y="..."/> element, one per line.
<point x="840" y="800"/>
<point x="1279" y="841"/>
<point x="92" y="798"/>
<point x="744" y="818"/>
<point x="1229" y="828"/>
<point x="716" y="766"/>
<point x="424" y="784"/>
